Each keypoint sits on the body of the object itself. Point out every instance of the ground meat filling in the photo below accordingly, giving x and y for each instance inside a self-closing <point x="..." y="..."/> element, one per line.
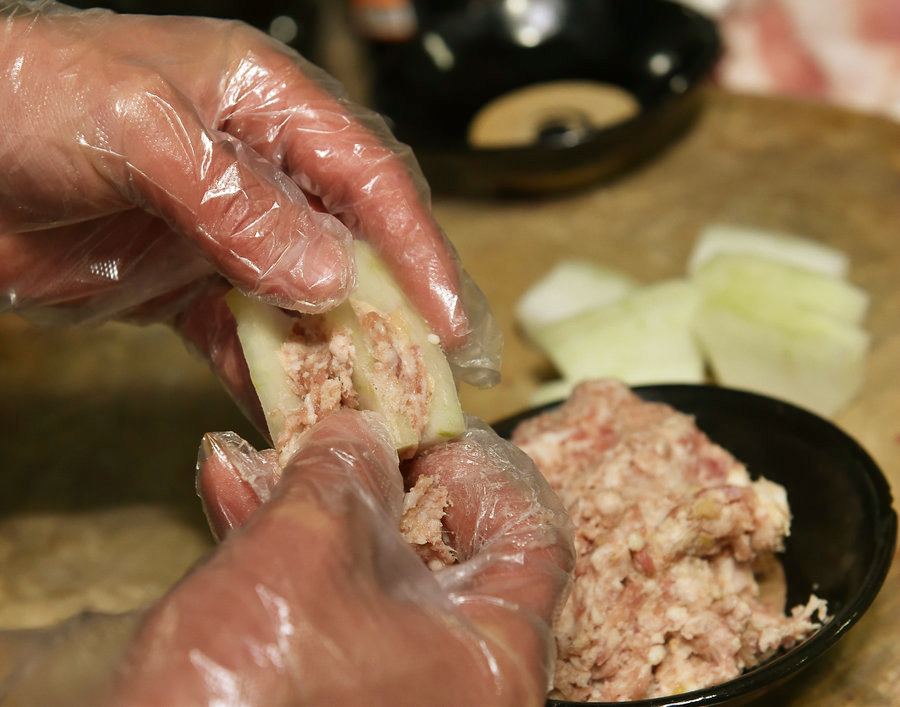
<point x="677" y="586"/>
<point x="399" y="366"/>
<point x="424" y="508"/>
<point x="320" y="361"/>
<point x="319" y="364"/>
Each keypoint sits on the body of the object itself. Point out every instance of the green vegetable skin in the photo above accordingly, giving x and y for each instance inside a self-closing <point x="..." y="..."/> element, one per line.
<point x="262" y="329"/>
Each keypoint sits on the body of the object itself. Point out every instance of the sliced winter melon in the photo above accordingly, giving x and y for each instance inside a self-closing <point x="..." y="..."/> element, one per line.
<point x="813" y="360"/>
<point x="644" y="337"/>
<point x="761" y="283"/>
<point x="790" y="249"/>
<point x="373" y="351"/>
<point x="551" y="391"/>
<point x="262" y="329"/>
<point x="570" y="287"/>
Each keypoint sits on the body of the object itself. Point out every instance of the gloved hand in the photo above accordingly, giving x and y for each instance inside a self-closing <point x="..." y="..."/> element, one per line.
<point x="145" y="161"/>
<point x="315" y="598"/>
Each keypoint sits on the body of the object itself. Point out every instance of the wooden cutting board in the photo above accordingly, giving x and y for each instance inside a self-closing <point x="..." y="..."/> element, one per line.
<point x="99" y="427"/>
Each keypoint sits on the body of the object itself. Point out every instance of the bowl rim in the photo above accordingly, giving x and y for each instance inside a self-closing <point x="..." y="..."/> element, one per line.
<point x="660" y="120"/>
<point x="883" y="523"/>
<point x="712" y="46"/>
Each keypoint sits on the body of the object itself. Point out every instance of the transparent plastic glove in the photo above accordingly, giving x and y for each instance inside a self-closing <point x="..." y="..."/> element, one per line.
<point x="315" y="598"/>
<point x="143" y="159"/>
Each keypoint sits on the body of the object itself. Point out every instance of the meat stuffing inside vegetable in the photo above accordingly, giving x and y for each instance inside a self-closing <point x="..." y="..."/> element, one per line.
<point x="372" y="352"/>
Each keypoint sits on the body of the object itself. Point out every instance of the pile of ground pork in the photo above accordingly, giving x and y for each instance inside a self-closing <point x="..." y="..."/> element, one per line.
<point x="677" y="586"/>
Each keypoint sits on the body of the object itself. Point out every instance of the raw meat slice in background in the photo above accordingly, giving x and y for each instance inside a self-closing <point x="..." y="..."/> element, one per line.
<point x="844" y="52"/>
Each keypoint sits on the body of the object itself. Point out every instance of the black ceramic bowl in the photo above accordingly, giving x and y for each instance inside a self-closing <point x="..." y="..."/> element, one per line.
<point x="844" y="529"/>
<point x="467" y="54"/>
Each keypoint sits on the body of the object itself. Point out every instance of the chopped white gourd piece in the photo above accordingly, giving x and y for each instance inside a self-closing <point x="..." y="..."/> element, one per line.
<point x="719" y="239"/>
<point x="398" y="367"/>
<point x="378" y="289"/>
<point x="645" y="337"/>
<point x="761" y="283"/>
<point x="767" y="311"/>
<point x="570" y="287"/>
<point x="262" y="329"/>
<point x="384" y="394"/>
<point x="551" y="392"/>
<point x="813" y="360"/>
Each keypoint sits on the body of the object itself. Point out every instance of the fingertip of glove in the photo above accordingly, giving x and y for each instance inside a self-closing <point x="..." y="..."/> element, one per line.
<point x="233" y="479"/>
<point x="350" y="449"/>
<point x="312" y="275"/>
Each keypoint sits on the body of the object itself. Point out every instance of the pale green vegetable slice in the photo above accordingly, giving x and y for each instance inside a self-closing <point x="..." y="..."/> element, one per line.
<point x="779" y="329"/>
<point x="569" y="287"/>
<point x="263" y="329"/>
<point x="727" y="239"/>
<point x="378" y="393"/>
<point x="378" y="290"/>
<point x="551" y="391"/>
<point x="644" y="337"/>
<point x="766" y="311"/>
<point x="742" y="281"/>
<point x="811" y="360"/>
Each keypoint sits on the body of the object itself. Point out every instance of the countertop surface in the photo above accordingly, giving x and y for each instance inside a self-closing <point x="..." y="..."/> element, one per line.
<point x="99" y="427"/>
